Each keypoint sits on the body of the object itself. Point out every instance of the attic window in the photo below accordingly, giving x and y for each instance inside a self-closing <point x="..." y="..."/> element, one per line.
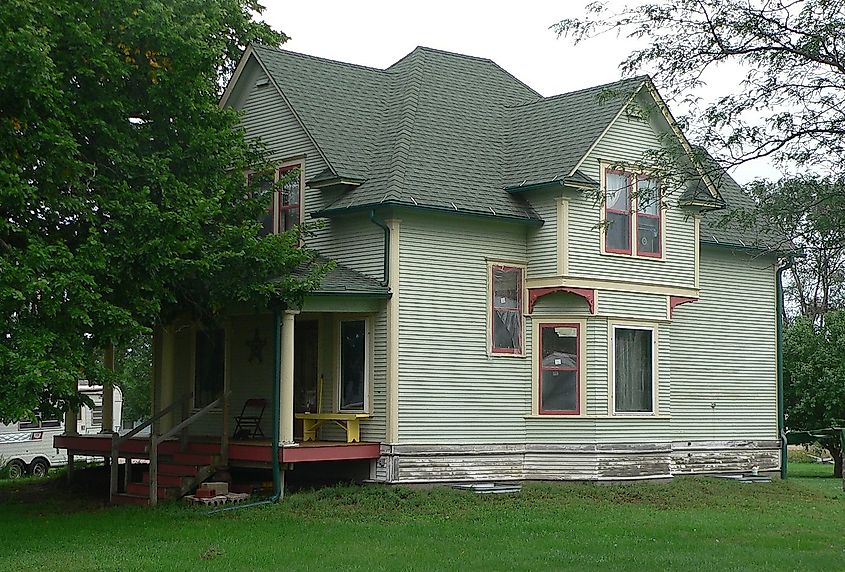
<point x="283" y="187"/>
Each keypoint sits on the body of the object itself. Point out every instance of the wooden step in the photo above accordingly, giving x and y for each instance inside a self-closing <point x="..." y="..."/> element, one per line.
<point x="193" y="459"/>
<point x="125" y="498"/>
<point x="143" y="490"/>
<point x="201" y="448"/>
<point x="179" y="470"/>
<point x="168" y="480"/>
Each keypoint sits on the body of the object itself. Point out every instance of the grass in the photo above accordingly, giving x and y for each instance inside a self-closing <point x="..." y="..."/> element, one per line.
<point x="690" y="524"/>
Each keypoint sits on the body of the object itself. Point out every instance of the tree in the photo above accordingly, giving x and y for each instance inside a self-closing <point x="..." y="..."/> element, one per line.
<point x="814" y="390"/>
<point x="809" y="210"/>
<point x="790" y="104"/>
<point x="122" y="194"/>
<point x="134" y="369"/>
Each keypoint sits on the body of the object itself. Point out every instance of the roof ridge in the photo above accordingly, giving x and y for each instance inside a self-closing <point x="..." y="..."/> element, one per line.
<point x="317" y="58"/>
<point x="639" y="78"/>
<point x="407" y="116"/>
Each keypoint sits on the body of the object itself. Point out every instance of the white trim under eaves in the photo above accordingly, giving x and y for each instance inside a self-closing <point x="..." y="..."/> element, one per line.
<point x="292" y="110"/>
<point x="230" y="87"/>
<point x="607" y="128"/>
<point x="673" y="125"/>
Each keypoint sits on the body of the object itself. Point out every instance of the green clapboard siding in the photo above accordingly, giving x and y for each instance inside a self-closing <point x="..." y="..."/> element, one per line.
<point x="723" y="351"/>
<point x="449" y="389"/>
<point x="625" y="142"/>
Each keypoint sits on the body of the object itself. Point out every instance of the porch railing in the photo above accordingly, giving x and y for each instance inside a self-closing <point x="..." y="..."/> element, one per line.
<point x="155" y="440"/>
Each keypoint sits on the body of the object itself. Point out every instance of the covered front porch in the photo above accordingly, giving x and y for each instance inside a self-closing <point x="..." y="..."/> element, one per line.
<point x="220" y="395"/>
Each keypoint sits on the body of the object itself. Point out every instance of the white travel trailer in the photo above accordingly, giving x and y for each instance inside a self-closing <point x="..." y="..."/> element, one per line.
<point x="26" y="447"/>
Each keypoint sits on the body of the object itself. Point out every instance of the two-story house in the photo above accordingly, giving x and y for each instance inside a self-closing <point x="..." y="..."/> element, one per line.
<point x="489" y="318"/>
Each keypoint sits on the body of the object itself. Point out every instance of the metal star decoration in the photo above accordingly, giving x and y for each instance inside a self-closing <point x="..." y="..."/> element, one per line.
<point x="256" y="347"/>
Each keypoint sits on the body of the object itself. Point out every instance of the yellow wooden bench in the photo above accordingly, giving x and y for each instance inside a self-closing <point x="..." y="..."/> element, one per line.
<point x="349" y="422"/>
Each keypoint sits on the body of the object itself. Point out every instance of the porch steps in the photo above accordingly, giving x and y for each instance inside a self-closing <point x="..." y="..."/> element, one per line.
<point x="178" y="474"/>
<point x="193" y="458"/>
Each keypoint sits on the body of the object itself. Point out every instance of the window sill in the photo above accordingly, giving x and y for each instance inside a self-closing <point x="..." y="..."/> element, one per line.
<point x="616" y="417"/>
<point x="661" y="258"/>
<point x="504" y="355"/>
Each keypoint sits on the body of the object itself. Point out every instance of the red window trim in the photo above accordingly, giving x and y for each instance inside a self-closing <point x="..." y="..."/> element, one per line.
<point x="627" y="213"/>
<point x="576" y="369"/>
<point x="281" y="209"/>
<point x="658" y="217"/>
<point x="518" y="310"/>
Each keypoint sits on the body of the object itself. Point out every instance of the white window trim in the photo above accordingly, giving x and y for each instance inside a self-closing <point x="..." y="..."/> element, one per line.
<point x="488" y="308"/>
<point x="603" y="217"/>
<point x="536" y="352"/>
<point x="368" y="363"/>
<point x="613" y="325"/>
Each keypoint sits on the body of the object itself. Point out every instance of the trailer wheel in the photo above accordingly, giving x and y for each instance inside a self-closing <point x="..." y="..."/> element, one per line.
<point x="39" y="468"/>
<point x="16" y="469"/>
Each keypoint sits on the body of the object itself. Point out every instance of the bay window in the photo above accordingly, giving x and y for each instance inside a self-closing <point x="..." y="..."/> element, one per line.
<point x="633" y="369"/>
<point x="506" y="310"/>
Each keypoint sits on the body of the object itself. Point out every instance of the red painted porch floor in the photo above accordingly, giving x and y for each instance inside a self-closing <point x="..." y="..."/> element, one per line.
<point x="241" y="453"/>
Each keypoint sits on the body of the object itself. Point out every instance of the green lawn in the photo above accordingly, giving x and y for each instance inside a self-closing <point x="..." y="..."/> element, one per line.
<point x="688" y="524"/>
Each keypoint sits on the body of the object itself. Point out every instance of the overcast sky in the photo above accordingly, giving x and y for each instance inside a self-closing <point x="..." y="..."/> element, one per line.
<point x="515" y="35"/>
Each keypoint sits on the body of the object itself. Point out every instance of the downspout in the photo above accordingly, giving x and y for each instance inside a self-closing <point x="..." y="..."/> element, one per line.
<point x="380" y="223"/>
<point x="277" y="374"/>
<point x="781" y="421"/>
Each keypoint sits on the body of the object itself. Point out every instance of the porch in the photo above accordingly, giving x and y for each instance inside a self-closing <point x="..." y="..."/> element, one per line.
<point x="242" y="453"/>
<point x="221" y="393"/>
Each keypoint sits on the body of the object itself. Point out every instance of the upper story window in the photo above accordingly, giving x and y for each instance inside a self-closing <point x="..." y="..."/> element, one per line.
<point x="289" y="197"/>
<point x="506" y="310"/>
<point x="633" y="215"/>
<point x="284" y="210"/>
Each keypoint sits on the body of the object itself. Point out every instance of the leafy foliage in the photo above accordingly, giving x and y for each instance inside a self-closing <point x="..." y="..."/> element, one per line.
<point x="810" y="211"/>
<point x="814" y="370"/>
<point x="790" y="101"/>
<point x="134" y="370"/>
<point x="122" y="195"/>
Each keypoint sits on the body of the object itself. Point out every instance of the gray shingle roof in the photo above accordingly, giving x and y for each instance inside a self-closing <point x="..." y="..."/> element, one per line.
<point x="444" y="131"/>
<point x="344" y="280"/>
<point x="547" y="138"/>
<point x="719" y="227"/>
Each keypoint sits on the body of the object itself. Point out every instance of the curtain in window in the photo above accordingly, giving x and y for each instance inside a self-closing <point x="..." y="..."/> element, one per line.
<point x="353" y="359"/>
<point x="633" y="380"/>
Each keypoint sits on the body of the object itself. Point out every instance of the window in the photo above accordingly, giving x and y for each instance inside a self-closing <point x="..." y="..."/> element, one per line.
<point x="353" y="365"/>
<point x="209" y="358"/>
<point x="618" y="212"/>
<point x="263" y="184"/>
<point x="648" y="217"/>
<point x="634" y="197"/>
<point x="289" y="197"/>
<point x="506" y="310"/>
<point x="39" y="424"/>
<point x="284" y="210"/>
<point x="633" y="369"/>
<point x="559" y="369"/>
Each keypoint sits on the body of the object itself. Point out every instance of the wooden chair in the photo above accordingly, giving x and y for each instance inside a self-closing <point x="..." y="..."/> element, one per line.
<point x="248" y="423"/>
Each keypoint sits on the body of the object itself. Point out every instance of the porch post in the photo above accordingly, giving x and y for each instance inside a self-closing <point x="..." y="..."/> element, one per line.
<point x="227" y="383"/>
<point x="286" y="398"/>
<point x="167" y="381"/>
<point x="108" y="392"/>
<point x="70" y="429"/>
